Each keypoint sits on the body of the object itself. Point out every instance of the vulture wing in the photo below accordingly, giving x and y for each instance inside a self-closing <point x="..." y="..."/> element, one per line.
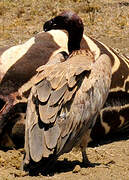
<point x="60" y="105"/>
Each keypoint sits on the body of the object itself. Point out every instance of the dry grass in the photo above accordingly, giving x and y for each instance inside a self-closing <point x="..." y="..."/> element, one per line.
<point x="22" y="19"/>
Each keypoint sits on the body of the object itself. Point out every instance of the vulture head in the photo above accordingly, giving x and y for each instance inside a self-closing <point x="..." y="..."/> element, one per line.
<point x="70" y="22"/>
<point x="66" y="20"/>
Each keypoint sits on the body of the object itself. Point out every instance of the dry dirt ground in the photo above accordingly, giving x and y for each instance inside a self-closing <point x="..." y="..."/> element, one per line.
<point x="107" y="21"/>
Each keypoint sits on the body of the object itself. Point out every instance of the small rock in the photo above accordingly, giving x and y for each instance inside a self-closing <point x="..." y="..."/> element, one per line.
<point x="76" y="169"/>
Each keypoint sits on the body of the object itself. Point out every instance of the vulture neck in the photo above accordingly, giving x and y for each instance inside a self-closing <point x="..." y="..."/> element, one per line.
<point x="74" y="39"/>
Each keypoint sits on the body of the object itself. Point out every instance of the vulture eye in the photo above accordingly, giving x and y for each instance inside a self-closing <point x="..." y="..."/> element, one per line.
<point x="51" y="22"/>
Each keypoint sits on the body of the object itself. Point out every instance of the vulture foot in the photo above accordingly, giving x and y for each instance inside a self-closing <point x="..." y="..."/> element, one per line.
<point x="85" y="161"/>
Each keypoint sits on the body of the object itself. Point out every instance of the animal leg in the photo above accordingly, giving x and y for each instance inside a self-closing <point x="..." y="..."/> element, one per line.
<point x="4" y="112"/>
<point x="84" y="143"/>
<point x="112" y="120"/>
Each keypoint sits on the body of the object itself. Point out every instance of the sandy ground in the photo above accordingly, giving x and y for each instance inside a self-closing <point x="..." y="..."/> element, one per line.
<point x="108" y="23"/>
<point x="110" y="160"/>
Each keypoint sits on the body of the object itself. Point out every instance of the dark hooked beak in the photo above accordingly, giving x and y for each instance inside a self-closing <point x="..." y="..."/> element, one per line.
<point x="49" y="25"/>
<point x="46" y="26"/>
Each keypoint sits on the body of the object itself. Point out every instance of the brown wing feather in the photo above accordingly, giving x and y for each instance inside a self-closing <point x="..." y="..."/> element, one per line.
<point x="51" y="136"/>
<point x="36" y="142"/>
<point x="56" y="95"/>
<point x="45" y="87"/>
<point x="46" y="112"/>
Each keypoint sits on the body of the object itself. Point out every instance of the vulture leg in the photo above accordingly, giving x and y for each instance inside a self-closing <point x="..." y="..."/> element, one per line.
<point x="84" y="143"/>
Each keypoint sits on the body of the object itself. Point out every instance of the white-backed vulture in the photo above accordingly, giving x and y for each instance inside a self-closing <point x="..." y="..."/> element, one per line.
<point x="65" y="101"/>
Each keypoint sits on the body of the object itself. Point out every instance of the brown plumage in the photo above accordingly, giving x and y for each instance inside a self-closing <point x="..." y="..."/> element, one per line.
<point x="65" y="100"/>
